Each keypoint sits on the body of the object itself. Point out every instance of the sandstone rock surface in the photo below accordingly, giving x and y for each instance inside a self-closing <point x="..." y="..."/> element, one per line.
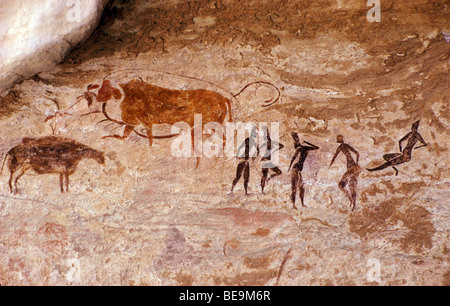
<point x="149" y="218"/>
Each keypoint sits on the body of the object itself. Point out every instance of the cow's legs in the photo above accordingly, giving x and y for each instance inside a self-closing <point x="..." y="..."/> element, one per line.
<point x="61" y="182"/>
<point x="127" y="131"/>
<point x="150" y="137"/>
<point x="67" y="181"/>
<point x="10" y="181"/>
<point x="13" y="166"/>
<point x="21" y="173"/>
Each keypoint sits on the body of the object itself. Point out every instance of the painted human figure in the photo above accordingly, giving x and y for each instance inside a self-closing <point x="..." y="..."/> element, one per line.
<point x="297" y="180"/>
<point x="349" y="180"/>
<point x="244" y="164"/>
<point x="394" y="159"/>
<point x="270" y="147"/>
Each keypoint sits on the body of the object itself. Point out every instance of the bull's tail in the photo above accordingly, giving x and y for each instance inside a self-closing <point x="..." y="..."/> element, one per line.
<point x="269" y="102"/>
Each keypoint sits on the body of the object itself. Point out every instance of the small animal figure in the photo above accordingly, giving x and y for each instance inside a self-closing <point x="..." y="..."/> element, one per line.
<point x="48" y="155"/>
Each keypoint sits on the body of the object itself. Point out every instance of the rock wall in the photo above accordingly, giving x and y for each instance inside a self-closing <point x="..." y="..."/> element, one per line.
<point x="146" y="217"/>
<point x="36" y="35"/>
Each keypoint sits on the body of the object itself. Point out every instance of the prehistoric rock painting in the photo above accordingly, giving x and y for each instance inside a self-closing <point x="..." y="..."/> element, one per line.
<point x="268" y="165"/>
<point x="48" y="155"/>
<point x="153" y="221"/>
<point x="394" y="159"/>
<point x="53" y="238"/>
<point x="143" y="105"/>
<point x="268" y="102"/>
<point x="297" y="180"/>
<point x="105" y="93"/>
<point x="243" y="167"/>
<point x="349" y="180"/>
<point x="146" y="104"/>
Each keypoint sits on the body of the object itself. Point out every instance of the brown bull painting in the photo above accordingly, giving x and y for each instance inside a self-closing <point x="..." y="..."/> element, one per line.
<point x="146" y="104"/>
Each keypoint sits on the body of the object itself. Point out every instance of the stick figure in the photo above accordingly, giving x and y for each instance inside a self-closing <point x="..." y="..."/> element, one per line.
<point x="297" y="180"/>
<point x="244" y="166"/>
<point x="393" y="159"/>
<point x="271" y="147"/>
<point x="350" y="177"/>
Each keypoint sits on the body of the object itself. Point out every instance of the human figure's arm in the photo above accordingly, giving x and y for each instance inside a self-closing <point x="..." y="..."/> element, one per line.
<point x="335" y="155"/>
<point x="424" y="144"/>
<point x="276" y="145"/>
<point x="355" y="152"/>
<point x="297" y="152"/>
<point x="311" y="147"/>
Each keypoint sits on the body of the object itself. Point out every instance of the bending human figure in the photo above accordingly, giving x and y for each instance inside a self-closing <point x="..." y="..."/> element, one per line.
<point x="244" y="165"/>
<point x="297" y="180"/>
<point x="394" y="159"/>
<point x="271" y="147"/>
<point x="349" y="180"/>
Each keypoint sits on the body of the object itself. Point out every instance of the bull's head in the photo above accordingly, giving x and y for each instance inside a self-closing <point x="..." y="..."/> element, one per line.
<point x="104" y="94"/>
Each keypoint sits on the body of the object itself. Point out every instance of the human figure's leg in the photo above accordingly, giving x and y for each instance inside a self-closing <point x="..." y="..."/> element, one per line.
<point x="264" y="179"/>
<point x="391" y="159"/>
<point x="301" y="188"/>
<point x="352" y="186"/>
<point x="246" y="176"/>
<point x="353" y="183"/>
<point x="276" y="172"/>
<point x="383" y="166"/>
<point x="239" y="171"/>
<point x="343" y="183"/>
<point x="396" y="170"/>
<point x="391" y="156"/>
<point x="294" y="186"/>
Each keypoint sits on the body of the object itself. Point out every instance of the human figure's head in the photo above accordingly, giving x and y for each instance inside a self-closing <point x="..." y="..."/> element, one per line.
<point x="295" y="137"/>
<point x="415" y="126"/>
<point x="340" y="138"/>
